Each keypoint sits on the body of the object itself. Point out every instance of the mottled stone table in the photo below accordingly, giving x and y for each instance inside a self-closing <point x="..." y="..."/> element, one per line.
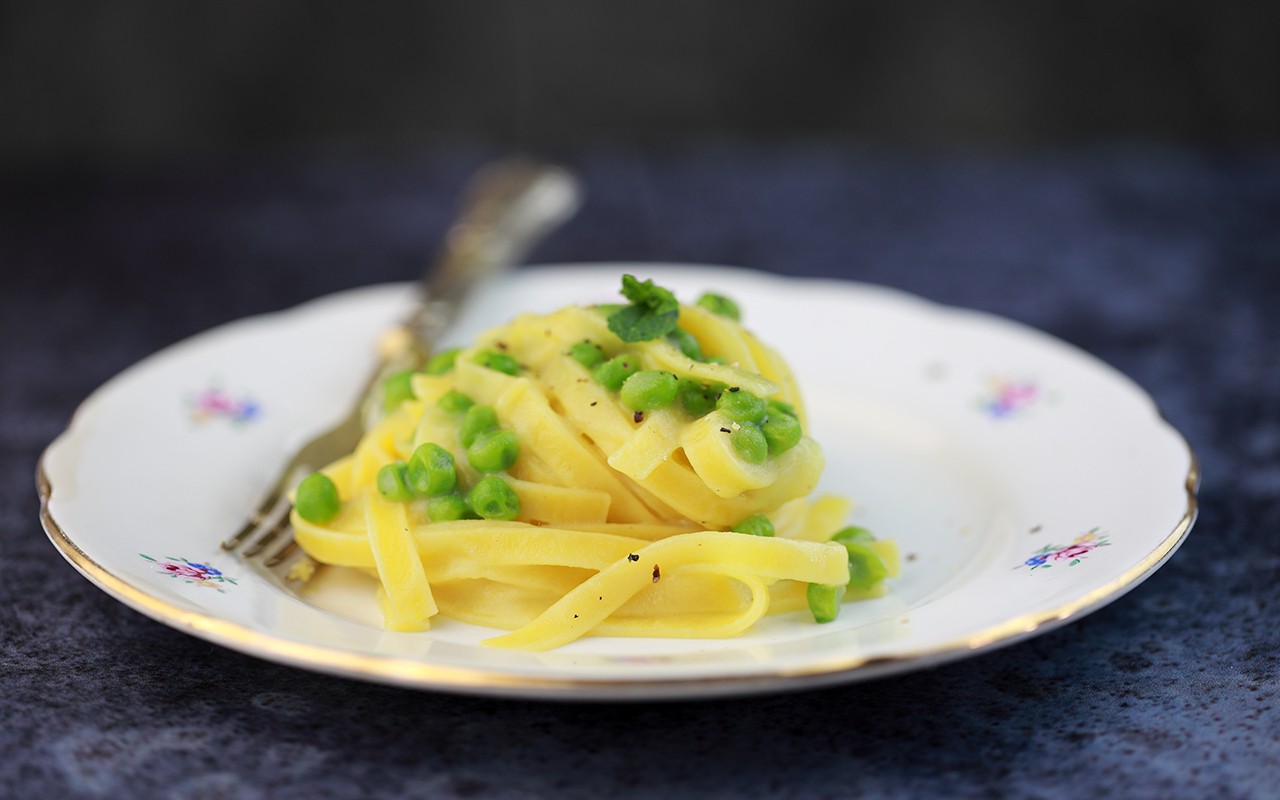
<point x="1165" y="264"/>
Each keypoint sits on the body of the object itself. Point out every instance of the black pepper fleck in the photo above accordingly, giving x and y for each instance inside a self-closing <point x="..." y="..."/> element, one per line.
<point x="633" y="557"/>
<point x="657" y="574"/>
<point x="735" y="388"/>
<point x="638" y="416"/>
<point x="502" y="345"/>
<point x="725" y="430"/>
<point x="593" y="402"/>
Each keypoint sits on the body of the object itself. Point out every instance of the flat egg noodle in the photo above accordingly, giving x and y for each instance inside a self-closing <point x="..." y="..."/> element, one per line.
<point x="744" y="557"/>
<point x="409" y="604"/>
<point x="691" y="603"/>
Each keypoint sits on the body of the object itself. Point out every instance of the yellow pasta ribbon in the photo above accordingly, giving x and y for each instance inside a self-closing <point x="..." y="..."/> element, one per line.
<point x="581" y="610"/>
<point x="409" y="605"/>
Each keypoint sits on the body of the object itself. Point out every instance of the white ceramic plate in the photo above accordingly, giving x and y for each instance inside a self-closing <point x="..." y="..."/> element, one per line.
<point x="1026" y="482"/>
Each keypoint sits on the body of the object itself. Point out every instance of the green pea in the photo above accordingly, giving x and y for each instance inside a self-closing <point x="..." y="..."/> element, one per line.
<point x="317" y="498"/>
<point x="442" y="362"/>
<point x="432" y="471"/>
<point x="741" y="406"/>
<point x="781" y="432"/>
<point x="587" y="353"/>
<point x="649" y="389"/>
<point x="698" y="398"/>
<point x="449" y="507"/>
<point x="494" y="450"/>
<point x="454" y="402"/>
<point x="478" y="419"/>
<point x="866" y="569"/>
<point x="396" y="388"/>
<point x="853" y="534"/>
<point x="613" y="373"/>
<point x="493" y="498"/>
<point x="755" y="525"/>
<point x="824" y="601"/>
<point x="779" y="407"/>
<point x="719" y="304"/>
<point x="750" y="443"/>
<point x="393" y="482"/>
<point x="500" y="362"/>
<point x="686" y="343"/>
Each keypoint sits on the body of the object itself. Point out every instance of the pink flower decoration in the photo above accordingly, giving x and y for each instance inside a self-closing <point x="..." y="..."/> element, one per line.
<point x="191" y="572"/>
<point x="214" y="403"/>
<point x="184" y="571"/>
<point x="1008" y="397"/>
<point x="1083" y="545"/>
<point x="1074" y="551"/>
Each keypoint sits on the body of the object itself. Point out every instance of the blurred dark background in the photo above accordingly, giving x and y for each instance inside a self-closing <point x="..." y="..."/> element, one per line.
<point x="1105" y="171"/>
<point x="147" y="78"/>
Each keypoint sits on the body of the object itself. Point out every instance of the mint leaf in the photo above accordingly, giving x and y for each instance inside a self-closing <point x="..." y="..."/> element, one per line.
<point x="651" y="315"/>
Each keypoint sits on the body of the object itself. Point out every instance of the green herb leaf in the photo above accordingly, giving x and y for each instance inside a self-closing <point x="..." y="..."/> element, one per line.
<point x="651" y="315"/>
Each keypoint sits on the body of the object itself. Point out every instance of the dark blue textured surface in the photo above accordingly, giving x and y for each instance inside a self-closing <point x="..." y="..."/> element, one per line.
<point x="1165" y="264"/>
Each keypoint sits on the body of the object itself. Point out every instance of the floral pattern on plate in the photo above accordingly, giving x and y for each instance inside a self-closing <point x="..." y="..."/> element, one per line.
<point x="191" y="572"/>
<point x="1007" y="398"/>
<point x="214" y="403"/>
<point x="1069" y="554"/>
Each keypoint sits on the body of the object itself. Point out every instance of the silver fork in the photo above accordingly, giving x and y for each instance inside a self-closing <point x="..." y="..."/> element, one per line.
<point x="507" y="208"/>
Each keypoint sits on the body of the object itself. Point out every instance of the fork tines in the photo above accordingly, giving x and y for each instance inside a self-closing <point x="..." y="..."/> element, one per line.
<point x="267" y="536"/>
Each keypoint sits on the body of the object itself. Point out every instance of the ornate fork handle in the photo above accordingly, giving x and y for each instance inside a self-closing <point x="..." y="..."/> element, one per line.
<point x="508" y="208"/>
